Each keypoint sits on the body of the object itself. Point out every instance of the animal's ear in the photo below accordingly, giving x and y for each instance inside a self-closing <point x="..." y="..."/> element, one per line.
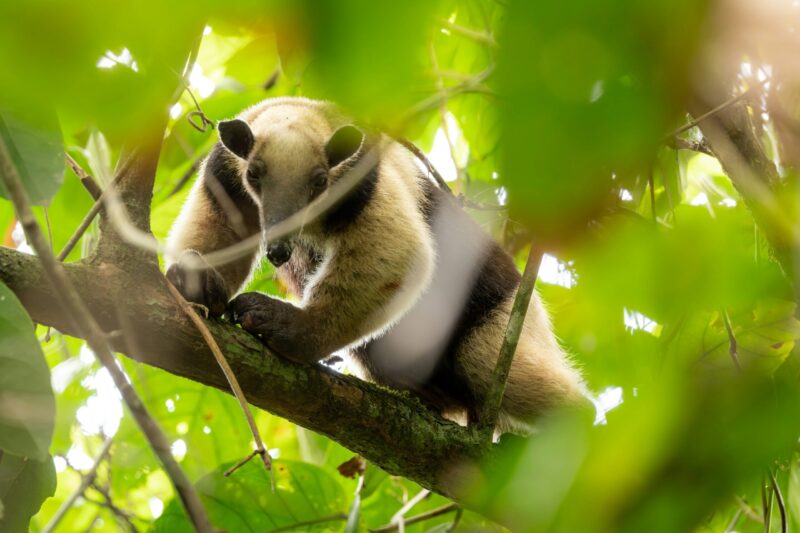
<point x="236" y="137"/>
<point x="344" y="143"/>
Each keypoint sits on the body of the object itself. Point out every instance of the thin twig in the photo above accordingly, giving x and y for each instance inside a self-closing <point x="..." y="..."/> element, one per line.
<point x="296" y="525"/>
<point x="735" y="520"/>
<point x="494" y="398"/>
<point x="230" y="376"/>
<point x="107" y="503"/>
<point x="476" y="35"/>
<point x="749" y="510"/>
<point x="443" y="118"/>
<point x="80" y="230"/>
<point x="732" y="345"/>
<point x="727" y="103"/>
<point x="474" y="84"/>
<point x="86" y="480"/>
<point x="433" y="513"/>
<point x="97" y="194"/>
<point x="88" y="182"/>
<point x="652" y="186"/>
<point x="419" y="154"/>
<point x="781" y="504"/>
<point x="766" y="504"/>
<point x="421" y="495"/>
<point x="89" y="329"/>
<point x="456" y="520"/>
<point x="355" y="507"/>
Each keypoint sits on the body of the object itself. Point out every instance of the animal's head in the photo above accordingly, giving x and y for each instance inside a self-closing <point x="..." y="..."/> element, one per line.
<point x="286" y="164"/>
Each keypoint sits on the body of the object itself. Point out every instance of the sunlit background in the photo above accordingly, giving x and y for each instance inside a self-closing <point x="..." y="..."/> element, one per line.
<point x="553" y="124"/>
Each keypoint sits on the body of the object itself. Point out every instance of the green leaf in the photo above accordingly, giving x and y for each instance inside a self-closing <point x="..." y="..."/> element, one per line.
<point x="793" y="497"/>
<point x="243" y="501"/>
<point x="27" y="407"/>
<point x="33" y="139"/>
<point x="24" y="485"/>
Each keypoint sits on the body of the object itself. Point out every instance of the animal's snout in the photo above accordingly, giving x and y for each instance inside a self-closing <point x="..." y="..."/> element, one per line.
<point x="279" y="252"/>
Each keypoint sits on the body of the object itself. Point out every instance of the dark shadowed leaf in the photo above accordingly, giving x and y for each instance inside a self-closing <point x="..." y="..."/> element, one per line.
<point x="24" y="484"/>
<point x="27" y="407"/>
<point x="33" y="139"/>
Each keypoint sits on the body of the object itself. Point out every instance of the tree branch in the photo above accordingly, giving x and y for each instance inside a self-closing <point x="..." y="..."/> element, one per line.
<point x="732" y="139"/>
<point x="86" y="480"/>
<point x="81" y="319"/>
<point x="388" y="428"/>
<point x="494" y="398"/>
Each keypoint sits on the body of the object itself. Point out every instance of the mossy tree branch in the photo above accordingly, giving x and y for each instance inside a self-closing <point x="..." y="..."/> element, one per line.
<point x="390" y="429"/>
<point x="733" y="141"/>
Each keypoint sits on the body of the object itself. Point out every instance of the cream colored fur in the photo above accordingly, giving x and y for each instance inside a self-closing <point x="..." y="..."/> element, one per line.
<point x="375" y="270"/>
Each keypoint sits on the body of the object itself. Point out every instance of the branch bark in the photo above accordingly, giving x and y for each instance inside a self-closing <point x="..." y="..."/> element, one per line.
<point x="388" y="428"/>
<point x="69" y="300"/>
<point x="732" y="139"/>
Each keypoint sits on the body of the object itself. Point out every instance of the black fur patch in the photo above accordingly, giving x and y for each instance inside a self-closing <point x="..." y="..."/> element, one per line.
<point x="346" y="211"/>
<point x="221" y="177"/>
<point x="496" y="279"/>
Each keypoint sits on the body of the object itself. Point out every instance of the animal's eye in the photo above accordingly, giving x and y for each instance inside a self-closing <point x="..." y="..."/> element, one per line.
<point x="253" y="179"/>
<point x="319" y="180"/>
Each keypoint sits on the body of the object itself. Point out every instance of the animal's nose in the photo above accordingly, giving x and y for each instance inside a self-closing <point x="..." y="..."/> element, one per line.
<point x="278" y="252"/>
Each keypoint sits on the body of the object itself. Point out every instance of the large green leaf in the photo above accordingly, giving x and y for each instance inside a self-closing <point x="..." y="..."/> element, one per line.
<point x="27" y="407"/>
<point x="243" y="501"/>
<point x="33" y="139"/>
<point x="24" y="485"/>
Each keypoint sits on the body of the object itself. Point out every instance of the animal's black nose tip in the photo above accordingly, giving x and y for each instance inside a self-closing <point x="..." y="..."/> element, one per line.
<point x="278" y="253"/>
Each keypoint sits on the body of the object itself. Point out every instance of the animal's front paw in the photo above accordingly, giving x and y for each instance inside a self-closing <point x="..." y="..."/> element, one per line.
<point x="252" y="310"/>
<point x="199" y="283"/>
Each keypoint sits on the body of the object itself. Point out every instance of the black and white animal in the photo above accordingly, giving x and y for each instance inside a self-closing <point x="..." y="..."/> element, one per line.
<point x="395" y="274"/>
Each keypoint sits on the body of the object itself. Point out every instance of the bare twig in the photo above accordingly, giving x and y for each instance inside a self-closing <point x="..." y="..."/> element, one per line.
<point x="87" y="479"/>
<point x="727" y="103"/>
<point x="419" y="154"/>
<point x="443" y="119"/>
<point x="766" y="504"/>
<point x="749" y="511"/>
<point x="456" y="520"/>
<point x="232" y="381"/>
<point x="732" y="345"/>
<point x="421" y="495"/>
<point x="88" y="182"/>
<point x="109" y="504"/>
<point x="97" y="194"/>
<point x="494" y="397"/>
<point x="652" y="186"/>
<point x="433" y="513"/>
<point x="781" y="504"/>
<point x="355" y="508"/>
<point x="735" y="520"/>
<point x="475" y="35"/>
<point x="91" y="331"/>
<point x="80" y="230"/>
<point x="473" y="84"/>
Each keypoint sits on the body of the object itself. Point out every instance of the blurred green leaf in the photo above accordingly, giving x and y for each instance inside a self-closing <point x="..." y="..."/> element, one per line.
<point x="27" y="416"/>
<point x="587" y="99"/>
<point x="32" y="137"/>
<point x="24" y="484"/>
